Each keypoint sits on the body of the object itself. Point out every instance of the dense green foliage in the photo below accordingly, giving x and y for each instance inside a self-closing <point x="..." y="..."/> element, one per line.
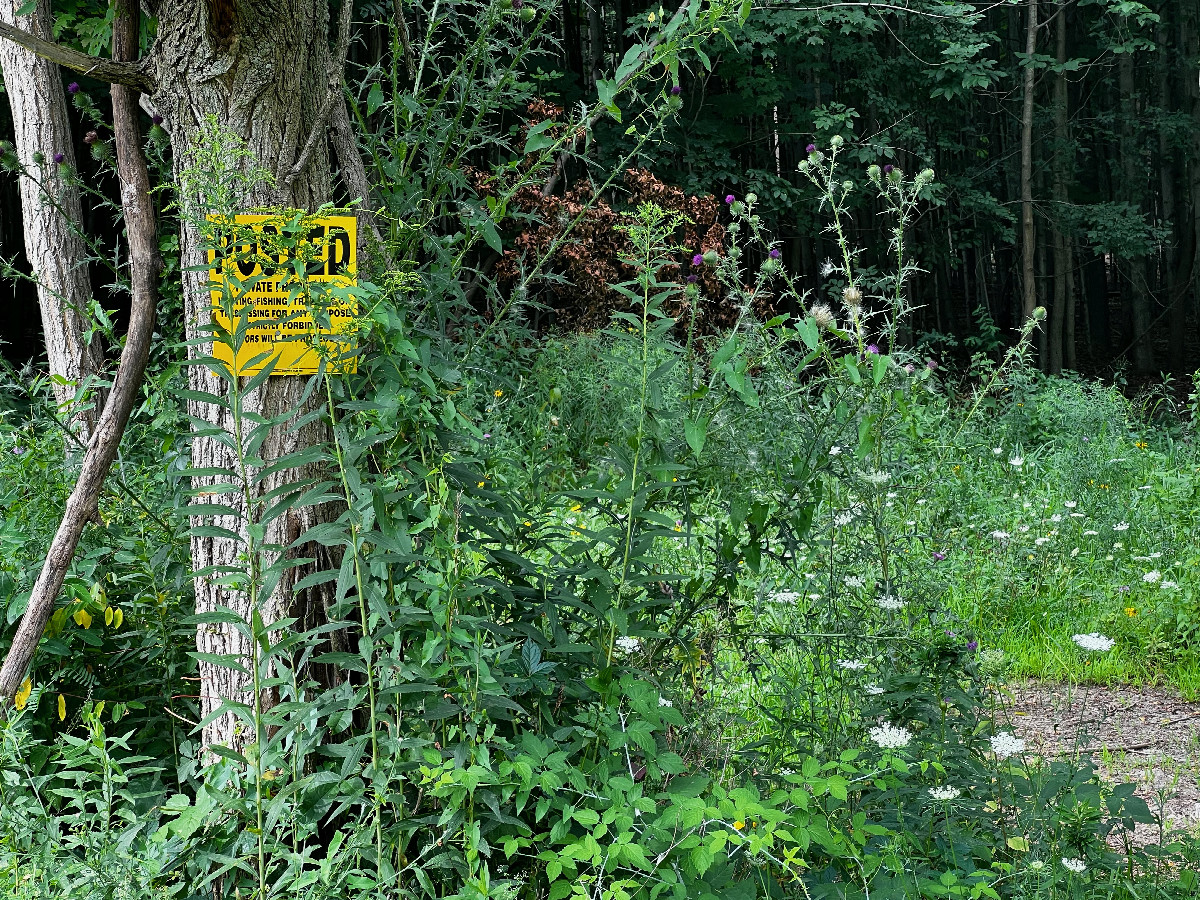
<point x="697" y="605"/>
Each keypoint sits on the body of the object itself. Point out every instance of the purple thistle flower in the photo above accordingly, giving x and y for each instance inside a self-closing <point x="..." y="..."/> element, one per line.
<point x="691" y="279"/>
<point x="973" y="646"/>
<point x="811" y="148"/>
<point x="729" y="198"/>
<point x="675" y="89"/>
<point x="73" y="88"/>
<point x="887" y="170"/>
<point x="58" y="158"/>
<point x="698" y="259"/>
<point x="775" y="254"/>
<point x="873" y="349"/>
<point x="939" y="555"/>
<point x="156" y="119"/>
<point x="931" y="365"/>
<point x="1123" y="589"/>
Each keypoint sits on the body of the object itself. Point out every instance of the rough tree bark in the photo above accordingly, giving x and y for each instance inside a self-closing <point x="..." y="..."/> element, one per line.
<point x="51" y="210"/>
<point x="262" y="70"/>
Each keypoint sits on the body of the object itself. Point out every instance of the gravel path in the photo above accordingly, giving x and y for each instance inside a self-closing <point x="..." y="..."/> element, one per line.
<point x="1146" y="736"/>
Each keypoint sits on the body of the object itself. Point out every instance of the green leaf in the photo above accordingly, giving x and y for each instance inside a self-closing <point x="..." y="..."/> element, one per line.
<point x="374" y="99"/>
<point x="695" y="433"/>
<point x="537" y="139"/>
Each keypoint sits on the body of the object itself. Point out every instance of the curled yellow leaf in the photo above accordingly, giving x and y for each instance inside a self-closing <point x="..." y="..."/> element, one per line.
<point x="62" y="707"/>
<point x="23" y="694"/>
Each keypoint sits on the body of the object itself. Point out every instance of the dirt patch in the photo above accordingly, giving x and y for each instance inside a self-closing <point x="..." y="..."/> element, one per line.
<point x="1145" y="736"/>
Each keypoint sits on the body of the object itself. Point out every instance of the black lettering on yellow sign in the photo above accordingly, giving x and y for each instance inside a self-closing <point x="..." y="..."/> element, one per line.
<point x="280" y="279"/>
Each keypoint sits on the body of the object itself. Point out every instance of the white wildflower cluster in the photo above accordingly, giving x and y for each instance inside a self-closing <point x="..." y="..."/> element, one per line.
<point x="1121" y="526"/>
<point x="1005" y="744"/>
<point x="663" y="701"/>
<point x="1152" y="577"/>
<point x="855" y="581"/>
<point x="843" y="517"/>
<point x="1077" y="866"/>
<point x="873" y="689"/>
<point x="628" y="644"/>
<point x="784" y="597"/>
<point x="891" y="602"/>
<point x="1000" y="535"/>
<point x="1094" y="642"/>
<point x="944" y="793"/>
<point x="890" y="737"/>
<point x="854" y="665"/>
<point x="1016" y="461"/>
<point x="876" y="477"/>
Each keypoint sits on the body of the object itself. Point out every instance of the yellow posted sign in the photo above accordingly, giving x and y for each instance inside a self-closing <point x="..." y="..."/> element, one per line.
<point x="279" y="284"/>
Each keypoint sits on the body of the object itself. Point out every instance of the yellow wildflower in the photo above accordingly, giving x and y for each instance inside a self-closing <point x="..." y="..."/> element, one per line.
<point x="739" y="825"/>
<point x="23" y="694"/>
<point x="497" y="393"/>
<point x="1130" y="611"/>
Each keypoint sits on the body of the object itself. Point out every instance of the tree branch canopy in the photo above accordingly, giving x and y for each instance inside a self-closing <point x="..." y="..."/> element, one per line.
<point x="130" y="74"/>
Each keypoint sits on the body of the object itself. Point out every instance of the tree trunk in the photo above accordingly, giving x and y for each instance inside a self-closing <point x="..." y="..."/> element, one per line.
<point x="1132" y="191"/>
<point x="1028" y="242"/>
<point x="51" y="210"/>
<point x="1061" y="176"/>
<point x="260" y="72"/>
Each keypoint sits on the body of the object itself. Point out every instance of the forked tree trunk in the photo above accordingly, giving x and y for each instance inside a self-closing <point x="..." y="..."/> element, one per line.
<point x="261" y="71"/>
<point x="49" y="211"/>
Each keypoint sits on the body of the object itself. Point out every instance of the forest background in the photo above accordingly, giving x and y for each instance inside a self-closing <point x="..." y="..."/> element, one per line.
<point x="1077" y="156"/>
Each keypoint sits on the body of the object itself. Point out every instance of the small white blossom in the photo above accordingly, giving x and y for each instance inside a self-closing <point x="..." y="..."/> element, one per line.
<point x="663" y="701"/>
<point x="1091" y="533"/>
<point x="1000" y="535"/>
<point x="843" y="517"/>
<point x="1016" y="461"/>
<point x="1156" y="554"/>
<point x="1078" y="516"/>
<point x="828" y="268"/>
<point x="1152" y="577"/>
<point x="854" y="665"/>
<point x="892" y="495"/>
<point x="875" y="477"/>
<point x="947" y="792"/>
<point x="784" y="597"/>
<point x="997" y="450"/>
<point x="1056" y="518"/>
<point x="891" y="603"/>
<point x="873" y="689"/>
<point x="1023" y="528"/>
<point x="1078" y="866"/>
<point x="1168" y="584"/>
<point x="1094" y="642"/>
<point x="890" y="737"/>
<point x="1005" y="744"/>
<point x="1042" y="541"/>
<point x="1070" y="504"/>
<point x="1121" y="526"/>
<point x="855" y="581"/>
<point x="628" y="644"/>
<point x="835" y="450"/>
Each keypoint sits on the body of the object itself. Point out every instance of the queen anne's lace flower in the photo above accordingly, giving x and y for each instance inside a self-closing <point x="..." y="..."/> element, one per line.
<point x="1121" y="526"/>
<point x="876" y="477"/>
<point x="663" y="701"/>
<point x="1094" y="642"/>
<point x="1078" y="866"/>
<point x="1005" y="744"/>
<point x="785" y="597"/>
<point x="1152" y="577"/>
<point x="1000" y="535"/>
<point x="854" y="665"/>
<point x="891" y="603"/>
<point x="946" y="792"/>
<point x="890" y="737"/>
<point x="855" y="581"/>
<point x="628" y="644"/>
<point x="1016" y="461"/>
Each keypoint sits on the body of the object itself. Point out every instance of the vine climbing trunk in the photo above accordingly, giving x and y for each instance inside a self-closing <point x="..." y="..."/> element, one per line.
<point x="51" y="212"/>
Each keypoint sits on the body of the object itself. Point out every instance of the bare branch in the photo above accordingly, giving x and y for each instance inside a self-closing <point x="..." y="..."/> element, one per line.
<point x="130" y="74"/>
<point x="102" y="449"/>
